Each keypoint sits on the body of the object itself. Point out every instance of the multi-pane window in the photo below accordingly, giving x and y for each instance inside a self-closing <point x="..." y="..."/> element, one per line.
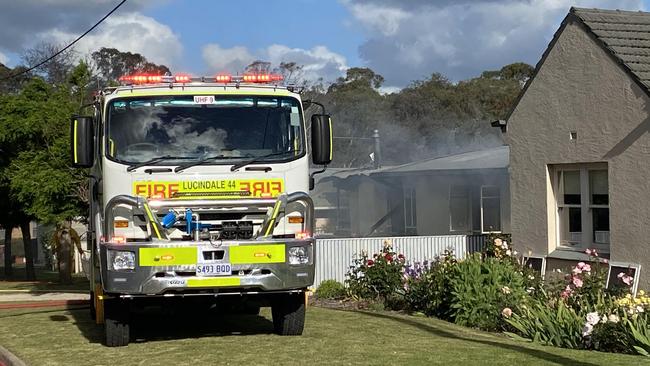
<point x="410" y="220"/>
<point x="490" y="209"/>
<point x="459" y="206"/>
<point x="583" y="207"/>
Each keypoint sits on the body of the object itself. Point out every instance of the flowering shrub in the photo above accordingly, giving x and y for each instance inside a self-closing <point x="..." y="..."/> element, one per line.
<point x="498" y="246"/>
<point x="482" y="289"/>
<point x="547" y="322"/>
<point x="584" y="286"/>
<point x="376" y="278"/>
<point x="428" y="285"/>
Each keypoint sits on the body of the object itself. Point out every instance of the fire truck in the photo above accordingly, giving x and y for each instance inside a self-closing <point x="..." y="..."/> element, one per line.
<point x="198" y="189"/>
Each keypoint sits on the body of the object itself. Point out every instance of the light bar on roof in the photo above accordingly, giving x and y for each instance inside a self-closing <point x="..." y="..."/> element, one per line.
<point x="248" y="78"/>
<point x="154" y="79"/>
<point x="221" y="78"/>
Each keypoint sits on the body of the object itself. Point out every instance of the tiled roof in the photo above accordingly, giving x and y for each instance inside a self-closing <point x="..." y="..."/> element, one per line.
<point x="626" y="34"/>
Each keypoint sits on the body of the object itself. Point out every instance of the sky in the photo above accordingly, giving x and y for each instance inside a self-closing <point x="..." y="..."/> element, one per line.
<point x="402" y="40"/>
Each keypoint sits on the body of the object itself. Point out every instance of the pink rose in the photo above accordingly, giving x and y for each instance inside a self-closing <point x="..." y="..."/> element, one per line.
<point x="586" y="268"/>
<point x="576" y="270"/>
<point x="605" y="260"/>
<point x="627" y="280"/>
<point x="577" y="282"/>
<point x="581" y="264"/>
<point x="588" y="251"/>
<point x="620" y="275"/>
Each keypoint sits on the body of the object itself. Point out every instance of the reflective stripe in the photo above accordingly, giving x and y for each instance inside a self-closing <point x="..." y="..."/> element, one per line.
<point x="331" y="138"/>
<point x="214" y="282"/>
<point x="158" y="257"/>
<point x="252" y="254"/>
<point x="74" y="145"/>
<point x="112" y="149"/>
<point x="272" y="222"/>
<point x="152" y="221"/>
<point x="98" y="299"/>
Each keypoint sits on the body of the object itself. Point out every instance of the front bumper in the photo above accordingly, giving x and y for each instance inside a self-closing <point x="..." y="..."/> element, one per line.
<point x="167" y="269"/>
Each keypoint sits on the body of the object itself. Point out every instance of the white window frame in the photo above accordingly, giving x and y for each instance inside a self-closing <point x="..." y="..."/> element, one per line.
<point x="586" y="235"/>
<point x="468" y="209"/>
<point x="482" y="219"/>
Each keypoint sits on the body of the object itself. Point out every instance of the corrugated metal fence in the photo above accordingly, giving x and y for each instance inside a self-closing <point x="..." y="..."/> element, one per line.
<point x="334" y="256"/>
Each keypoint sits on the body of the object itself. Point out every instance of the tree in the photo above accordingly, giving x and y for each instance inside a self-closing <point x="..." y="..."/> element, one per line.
<point x="57" y="69"/>
<point x="258" y="67"/>
<point x="34" y="127"/>
<point x="111" y="63"/>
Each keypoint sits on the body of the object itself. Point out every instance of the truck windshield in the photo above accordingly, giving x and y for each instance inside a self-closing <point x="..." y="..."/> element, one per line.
<point x="187" y="127"/>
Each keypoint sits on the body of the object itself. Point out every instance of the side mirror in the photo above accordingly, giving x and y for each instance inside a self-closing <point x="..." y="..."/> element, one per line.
<point x="321" y="139"/>
<point x="82" y="152"/>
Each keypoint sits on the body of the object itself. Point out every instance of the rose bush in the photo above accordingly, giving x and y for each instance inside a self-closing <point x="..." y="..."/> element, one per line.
<point x="377" y="278"/>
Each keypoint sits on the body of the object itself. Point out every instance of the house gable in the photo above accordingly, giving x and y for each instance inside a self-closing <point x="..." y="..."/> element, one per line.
<point x="587" y="106"/>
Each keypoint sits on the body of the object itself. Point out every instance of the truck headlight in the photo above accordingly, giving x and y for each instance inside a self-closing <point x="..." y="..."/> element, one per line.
<point x="122" y="260"/>
<point x="298" y="255"/>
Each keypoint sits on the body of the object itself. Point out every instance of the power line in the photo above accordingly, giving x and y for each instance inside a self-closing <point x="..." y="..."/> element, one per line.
<point x="66" y="47"/>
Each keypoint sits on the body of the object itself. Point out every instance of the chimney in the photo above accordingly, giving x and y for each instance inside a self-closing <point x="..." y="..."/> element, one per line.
<point x="377" y="150"/>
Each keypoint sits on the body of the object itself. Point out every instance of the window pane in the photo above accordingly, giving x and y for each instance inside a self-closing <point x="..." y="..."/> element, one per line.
<point x="570" y="225"/>
<point x="491" y="214"/>
<point x="490" y="191"/>
<point x="571" y="187"/>
<point x="601" y="225"/>
<point x="459" y="208"/>
<point x="598" y="187"/>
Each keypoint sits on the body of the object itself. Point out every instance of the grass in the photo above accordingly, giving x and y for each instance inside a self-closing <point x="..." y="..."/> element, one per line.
<point x="45" y="281"/>
<point x="69" y="337"/>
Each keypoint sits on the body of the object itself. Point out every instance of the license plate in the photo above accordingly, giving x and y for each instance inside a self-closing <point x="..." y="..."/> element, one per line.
<point x="213" y="269"/>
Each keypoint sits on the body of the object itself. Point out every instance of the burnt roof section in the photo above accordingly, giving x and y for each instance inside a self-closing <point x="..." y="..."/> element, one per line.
<point x="625" y="34"/>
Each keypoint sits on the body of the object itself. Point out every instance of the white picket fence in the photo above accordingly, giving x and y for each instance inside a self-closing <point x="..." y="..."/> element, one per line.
<point x="334" y="256"/>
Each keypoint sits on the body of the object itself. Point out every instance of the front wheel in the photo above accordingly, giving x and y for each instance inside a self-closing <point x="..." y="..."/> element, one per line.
<point x="288" y="312"/>
<point x="116" y="323"/>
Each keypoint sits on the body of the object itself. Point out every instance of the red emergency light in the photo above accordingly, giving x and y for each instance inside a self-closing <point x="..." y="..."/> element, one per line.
<point x="223" y="78"/>
<point x="154" y="79"/>
<point x="248" y="78"/>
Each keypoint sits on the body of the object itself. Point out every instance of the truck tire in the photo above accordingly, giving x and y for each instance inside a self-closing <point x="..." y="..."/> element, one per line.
<point x="116" y="323"/>
<point x="288" y="313"/>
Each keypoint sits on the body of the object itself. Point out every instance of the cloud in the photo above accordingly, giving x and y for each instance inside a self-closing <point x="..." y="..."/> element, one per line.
<point x="131" y="32"/>
<point x="318" y="62"/>
<point x="221" y="59"/>
<point x="3" y="58"/>
<point x="409" y="41"/>
<point x="28" y="22"/>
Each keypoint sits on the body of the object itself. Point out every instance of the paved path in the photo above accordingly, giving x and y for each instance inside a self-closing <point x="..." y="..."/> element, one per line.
<point x="41" y="296"/>
<point x="24" y="300"/>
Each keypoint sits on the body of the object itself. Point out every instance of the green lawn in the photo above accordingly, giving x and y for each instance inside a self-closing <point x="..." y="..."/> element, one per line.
<point x="45" y="281"/>
<point x="69" y="337"/>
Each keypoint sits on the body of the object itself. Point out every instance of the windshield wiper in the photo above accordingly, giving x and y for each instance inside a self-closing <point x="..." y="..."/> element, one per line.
<point x="257" y="159"/>
<point x="199" y="162"/>
<point x="154" y="161"/>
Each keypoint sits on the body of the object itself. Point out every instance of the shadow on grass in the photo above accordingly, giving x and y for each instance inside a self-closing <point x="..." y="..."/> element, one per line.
<point x="546" y="356"/>
<point x="183" y="322"/>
